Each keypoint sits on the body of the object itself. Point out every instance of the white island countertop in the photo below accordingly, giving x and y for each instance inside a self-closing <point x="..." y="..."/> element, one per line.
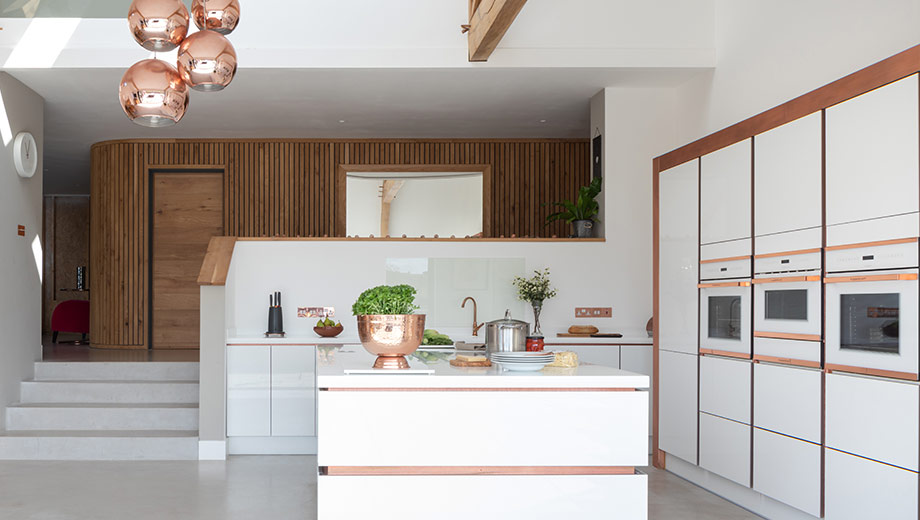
<point x="331" y="366"/>
<point x="347" y="339"/>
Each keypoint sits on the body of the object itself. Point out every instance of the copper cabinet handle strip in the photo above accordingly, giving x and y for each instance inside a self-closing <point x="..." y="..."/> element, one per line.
<point x="873" y="278"/>
<point x="724" y="284"/>
<point x="787" y="279"/>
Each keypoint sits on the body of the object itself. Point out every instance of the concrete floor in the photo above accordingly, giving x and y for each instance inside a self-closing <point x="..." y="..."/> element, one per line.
<point x="257" y="488"/>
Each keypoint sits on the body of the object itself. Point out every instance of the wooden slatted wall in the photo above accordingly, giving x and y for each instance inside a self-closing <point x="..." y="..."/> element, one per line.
<point x="286" y="187"/>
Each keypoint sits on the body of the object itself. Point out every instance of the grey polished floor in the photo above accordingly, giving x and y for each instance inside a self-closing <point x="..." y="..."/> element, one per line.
<point x="257" y="488"/>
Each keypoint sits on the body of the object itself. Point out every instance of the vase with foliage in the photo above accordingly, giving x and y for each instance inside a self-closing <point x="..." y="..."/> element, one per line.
<point x="535" y="290"/>
<point x="582" y="213"/>
<point x="387" y="325"/>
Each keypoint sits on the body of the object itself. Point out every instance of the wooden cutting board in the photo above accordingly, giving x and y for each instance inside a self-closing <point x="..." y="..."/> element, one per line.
<point x="598" y="335"/>
<point x="469" y="364"/>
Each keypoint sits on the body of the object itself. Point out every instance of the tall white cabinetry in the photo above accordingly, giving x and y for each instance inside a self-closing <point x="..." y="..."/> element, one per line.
<point x="873" y="158"/>
<point x="678" y="247"/>
<point x="725" y="202"/>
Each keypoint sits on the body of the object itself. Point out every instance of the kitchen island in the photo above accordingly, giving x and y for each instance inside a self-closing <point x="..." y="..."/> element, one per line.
<point x="481" y="443"/>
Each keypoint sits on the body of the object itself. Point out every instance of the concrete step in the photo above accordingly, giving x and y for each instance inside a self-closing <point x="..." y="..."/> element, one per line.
<point x="116" y="371"/>
<point x="95" y="445"/>
<point x="74" y="416"/>
<point x="109" y="392"/>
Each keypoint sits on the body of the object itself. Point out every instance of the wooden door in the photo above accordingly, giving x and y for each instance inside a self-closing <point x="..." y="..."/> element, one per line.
<point x="187" y="211"/>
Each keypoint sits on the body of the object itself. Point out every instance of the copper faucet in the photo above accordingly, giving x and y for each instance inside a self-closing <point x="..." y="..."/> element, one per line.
<point x="476" y="326"/>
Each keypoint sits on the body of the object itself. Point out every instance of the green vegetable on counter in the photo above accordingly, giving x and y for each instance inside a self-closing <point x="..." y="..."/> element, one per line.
<point x="433" y="337"/>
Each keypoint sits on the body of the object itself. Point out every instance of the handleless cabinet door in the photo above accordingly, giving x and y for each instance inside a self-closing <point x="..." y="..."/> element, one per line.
<point x="678" y="257"/>
<point x="638" y="359"/>
<point x="249" y="402"/>
<point x="788" y="470"/>
<point x="872" y="155"/>
<point x="787" y="177"/>
<point x="725" y="388"/>
<point x="856" y="489"/>
<point x="293" y="391"/>
<point x="677" y="404"/>
<point x="725" y="194"/>
<point x="787" y="400"/>
<point x="725" y="448"/>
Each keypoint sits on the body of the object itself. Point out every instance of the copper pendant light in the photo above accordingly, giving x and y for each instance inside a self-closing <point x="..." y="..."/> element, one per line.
<point x="207" y="61"/>
<point x="218" y="15"/>
<point x="158" y="25"/>
<point x="153" y="94"/>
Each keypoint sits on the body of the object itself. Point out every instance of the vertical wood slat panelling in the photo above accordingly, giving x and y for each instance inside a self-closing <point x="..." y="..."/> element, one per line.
<point x="287" y="188"/>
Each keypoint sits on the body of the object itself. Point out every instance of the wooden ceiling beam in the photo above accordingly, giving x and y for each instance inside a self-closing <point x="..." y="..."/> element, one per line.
<point x="489" y="21"/>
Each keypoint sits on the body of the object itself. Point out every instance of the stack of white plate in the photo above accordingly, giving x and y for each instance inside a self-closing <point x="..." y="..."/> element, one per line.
<point x="522" y="361"/>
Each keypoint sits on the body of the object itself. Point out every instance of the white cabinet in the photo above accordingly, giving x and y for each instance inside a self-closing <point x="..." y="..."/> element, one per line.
<point x="678" y="257"/>
<point x="788" y="470"/>
<point x="271" y="391"/>
<point x="725" y="194"/>
<point x="677" y="404"/>
<point x="873" y="418"/>
<point x="787" y="177"/>
<point x="638" y="359"/>
<point x="725" y="388"/>
<point x="725" y="448"/>
<point x="249" y="395"/>
<point x="856" y="489"/>
<point x="788" y="400"/>
<point x="293" y="391"/>
<point x="872" y="157"/>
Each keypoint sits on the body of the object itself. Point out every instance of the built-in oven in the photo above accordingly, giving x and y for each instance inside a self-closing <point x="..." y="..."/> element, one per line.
<point x="725" y="307"/>
<point x="872" y="310"/>
<point x="787" y="307"/>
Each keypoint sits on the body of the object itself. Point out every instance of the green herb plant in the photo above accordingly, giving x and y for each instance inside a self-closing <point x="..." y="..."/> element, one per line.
<point x="585" y="206"/>
<point x="535" y="288"/>
<point x="386" y="299"/>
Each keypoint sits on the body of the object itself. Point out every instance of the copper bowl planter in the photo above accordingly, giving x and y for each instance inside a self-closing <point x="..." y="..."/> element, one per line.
<point x="391" y="337"/>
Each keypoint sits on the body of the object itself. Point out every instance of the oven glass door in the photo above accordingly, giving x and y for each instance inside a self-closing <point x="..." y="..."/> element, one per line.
<point x="873" y="324"/>
<point x="725" y="319"/>
<point x="788" y="308"/>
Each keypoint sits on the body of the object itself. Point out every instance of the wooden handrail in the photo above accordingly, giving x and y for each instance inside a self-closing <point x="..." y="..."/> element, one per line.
<point x="217" y="261"/>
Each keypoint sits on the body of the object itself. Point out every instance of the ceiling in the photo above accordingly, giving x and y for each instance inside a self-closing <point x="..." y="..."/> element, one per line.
<point x="81" y="107"/>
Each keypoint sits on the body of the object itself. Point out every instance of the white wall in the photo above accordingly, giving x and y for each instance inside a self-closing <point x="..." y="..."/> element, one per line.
<point x="20" y="268"/>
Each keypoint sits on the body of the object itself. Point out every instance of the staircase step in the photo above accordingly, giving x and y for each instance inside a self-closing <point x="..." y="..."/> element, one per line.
<point x="96" y="445"/>
<point x="75" y="416"/>
<point x="109" y="392"/>
<point x="116" y="371"/>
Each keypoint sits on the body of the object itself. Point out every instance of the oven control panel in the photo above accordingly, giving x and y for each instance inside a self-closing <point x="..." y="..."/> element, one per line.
<point x="871" y="258"/>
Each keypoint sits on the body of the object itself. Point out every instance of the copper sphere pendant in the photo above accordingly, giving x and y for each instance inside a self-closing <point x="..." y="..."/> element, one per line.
<point x="207" y="61"/>
<point x="158" y="25"/>
<point x="221" y="15"/>
<point x="153" y="94"/>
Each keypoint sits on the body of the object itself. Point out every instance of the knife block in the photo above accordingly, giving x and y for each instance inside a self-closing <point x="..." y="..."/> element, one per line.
<point x="275" y="321"/>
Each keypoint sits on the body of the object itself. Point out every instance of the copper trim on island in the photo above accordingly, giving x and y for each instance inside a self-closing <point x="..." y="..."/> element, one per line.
<point x="788" y="335"/>
<point x="787" y="361"/>
<point x="724" y="353"/>
<point x="723" y="284"/>
<point x="788" y="253"/>
<point x="446" y="389"/>
<point x="873" y="278"/>
<point x="787" y="279"/>
<point x="872" y="244"/>
<point x="475" y="470"/>
<point x="831" y="368"/>
<point x="727" y="259"/>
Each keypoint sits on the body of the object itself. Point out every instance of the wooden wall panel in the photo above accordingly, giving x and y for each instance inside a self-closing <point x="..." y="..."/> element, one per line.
<point x="287" y="188"/>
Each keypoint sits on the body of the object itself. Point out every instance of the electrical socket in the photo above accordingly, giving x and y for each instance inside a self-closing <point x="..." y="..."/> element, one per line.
<point x="593" y="312"/>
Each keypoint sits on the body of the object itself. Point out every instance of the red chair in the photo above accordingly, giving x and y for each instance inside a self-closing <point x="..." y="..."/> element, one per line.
<point x="70" y="316"/>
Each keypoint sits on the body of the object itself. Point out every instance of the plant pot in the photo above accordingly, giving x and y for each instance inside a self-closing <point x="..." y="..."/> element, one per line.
<point x="582" y="228"/>
<point x="391" y="337"/>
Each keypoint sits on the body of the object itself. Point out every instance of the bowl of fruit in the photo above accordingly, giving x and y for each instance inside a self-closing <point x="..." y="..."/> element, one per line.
<point x="328" y="328"/>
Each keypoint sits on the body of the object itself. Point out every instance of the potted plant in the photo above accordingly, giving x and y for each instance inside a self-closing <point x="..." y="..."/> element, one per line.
<point x="387" y="326"/>
<point x="582" y="213"/>
<point x="535" y="290"/>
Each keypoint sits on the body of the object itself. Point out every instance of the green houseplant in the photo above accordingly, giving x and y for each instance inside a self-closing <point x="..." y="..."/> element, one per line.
<point x="582" y="213"/>
<point x="387" y="326"/>
<point x="534" y="290"/>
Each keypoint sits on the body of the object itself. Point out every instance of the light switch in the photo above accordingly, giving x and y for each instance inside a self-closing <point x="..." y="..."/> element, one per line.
<point x="593" y="312"/>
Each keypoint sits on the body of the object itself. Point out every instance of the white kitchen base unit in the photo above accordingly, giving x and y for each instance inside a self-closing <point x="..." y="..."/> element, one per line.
<point x="788" y="470"/>
<point x="856" y="489"/>
<point x="271" y="445"/>
<point x="549" y="444"/>
<point x="677" y="404"/>
<point x="725" y="387"/>
<point x="485" y="497"/>
<point x="725" y="448"/>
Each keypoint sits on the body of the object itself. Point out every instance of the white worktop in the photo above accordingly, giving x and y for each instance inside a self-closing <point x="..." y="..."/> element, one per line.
<point x="330" y="373"/>
<point x="346" y="339"/>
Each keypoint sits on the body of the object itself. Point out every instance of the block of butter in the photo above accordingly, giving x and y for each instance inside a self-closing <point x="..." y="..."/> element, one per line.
<point x="471" y="358"/>
<point x="564" y="360"/>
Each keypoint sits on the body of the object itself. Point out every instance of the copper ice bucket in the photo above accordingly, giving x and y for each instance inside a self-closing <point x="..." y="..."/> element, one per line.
<point x="391" y="337"/>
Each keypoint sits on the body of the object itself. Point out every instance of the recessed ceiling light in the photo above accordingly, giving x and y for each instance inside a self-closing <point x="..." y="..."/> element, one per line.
<point x="543" y="120"/>
<point x="341" y="120"/>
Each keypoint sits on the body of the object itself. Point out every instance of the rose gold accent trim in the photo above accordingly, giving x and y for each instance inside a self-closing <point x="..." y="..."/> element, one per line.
<point x="727" y="259"/>
<point x="787" y="335"/>
<point x="787" y="279"/>
<point x="831" y="368"/>
<point x="269" y="343"/>
<point x="369" y="389"/>
<point x="872" y="278"/>
<point x="476" y="470"/>
<point x="787" y="361"/>
<point x="788" y="253"/>
<point x="724" y="284"/>
<point x="726" y="353"/>
<point x="871" y="244"/>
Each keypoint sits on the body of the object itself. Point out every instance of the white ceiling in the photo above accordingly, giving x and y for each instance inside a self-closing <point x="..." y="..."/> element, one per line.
<point x="81" y="107"/>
